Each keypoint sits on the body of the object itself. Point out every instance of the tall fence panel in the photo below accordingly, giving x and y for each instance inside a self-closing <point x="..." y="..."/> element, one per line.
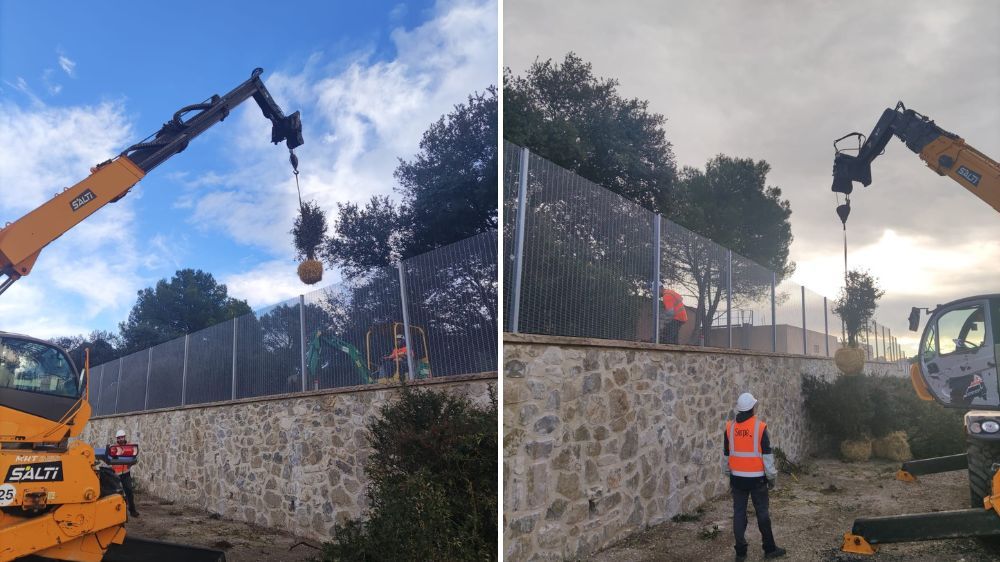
<point x="451" y="294"/>
<point x="752" y="322"/>
<point x="697" y="269"/>
<point x="361" y="319"/>
<point x="132" y="394"/>
<point x="166" y="372"/>
<point x="210" y="364"/>
<point x="588" y="259"/>
<point x="269" y="351"/>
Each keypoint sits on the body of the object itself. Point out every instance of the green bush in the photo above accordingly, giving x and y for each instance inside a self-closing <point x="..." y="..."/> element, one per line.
<point x="864" y="406"/>
<point x="433" y="492"/>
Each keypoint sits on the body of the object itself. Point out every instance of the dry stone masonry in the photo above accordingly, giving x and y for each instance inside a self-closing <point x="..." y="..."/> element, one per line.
<point x="294" y="462"/>
<point x="604" y="438"/>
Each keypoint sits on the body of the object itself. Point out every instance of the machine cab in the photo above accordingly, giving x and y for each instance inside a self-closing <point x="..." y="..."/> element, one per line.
<point x="40" y="389"/>
<point x="959" y="351"/>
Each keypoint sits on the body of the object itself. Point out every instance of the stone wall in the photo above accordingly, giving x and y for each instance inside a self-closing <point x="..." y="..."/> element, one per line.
<point x="292" y="462"/>
<point x="604" y="438"/>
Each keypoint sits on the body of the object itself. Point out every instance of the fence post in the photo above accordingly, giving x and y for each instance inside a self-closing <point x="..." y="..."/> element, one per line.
<point x="100" y="388"/>
<point x="884" y="352"/>
<point x="522" y="206"/>
<point x="774" y="311"/>
<point x="233" y="393"/>
<point x="805" y="350"/>
<point x="184" y="372"/>
<point x="302" y="339"/>
<point x="657" y="225"/>
<point x="406" y="321"/>
<point x="868" y="346"/>
<point x="729" y="297"/>
<point x="875" y="335"/>
<point x="149" y="367"/>
<point x="118" y="390"/>
<point x="826" y="328"/>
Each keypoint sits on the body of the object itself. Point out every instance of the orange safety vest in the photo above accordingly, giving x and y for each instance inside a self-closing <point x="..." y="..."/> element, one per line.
<point x="398" y="353"/>
<point x="672" y="301"/>
<point x="745" y="458"/>
<point x="120" y="468"/>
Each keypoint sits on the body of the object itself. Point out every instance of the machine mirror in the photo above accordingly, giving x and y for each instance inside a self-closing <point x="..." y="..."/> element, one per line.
<point x="914" y="319"/>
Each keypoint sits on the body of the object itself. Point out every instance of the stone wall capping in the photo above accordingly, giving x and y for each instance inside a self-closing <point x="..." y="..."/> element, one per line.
<point x="310" y="393"/>
<point x="570" y="341"/>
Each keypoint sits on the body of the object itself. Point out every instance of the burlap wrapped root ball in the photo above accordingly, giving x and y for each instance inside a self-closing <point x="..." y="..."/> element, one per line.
<point x="311" y="272"/>
<point x="856" y="450"/>
<point x="893" y="447"/>
<point x="850" y="360"/>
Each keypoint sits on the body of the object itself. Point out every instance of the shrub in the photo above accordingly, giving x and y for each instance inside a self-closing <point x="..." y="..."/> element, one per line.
<point x="433" y="492"/>
<point x="875" y="405"/>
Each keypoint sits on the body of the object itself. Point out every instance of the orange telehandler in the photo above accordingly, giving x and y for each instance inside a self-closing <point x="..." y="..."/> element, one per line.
<point x="56" y="500"/>
<point x="956" y="363"/>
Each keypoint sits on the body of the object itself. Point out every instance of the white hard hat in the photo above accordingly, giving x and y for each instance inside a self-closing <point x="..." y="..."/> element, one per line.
<point x="120" y="433"/>
<point x="745" y="402"/>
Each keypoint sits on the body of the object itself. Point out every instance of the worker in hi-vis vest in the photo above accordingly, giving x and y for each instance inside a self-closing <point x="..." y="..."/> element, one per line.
<point x="675" y="313"/>
<point x="749" y="463"/>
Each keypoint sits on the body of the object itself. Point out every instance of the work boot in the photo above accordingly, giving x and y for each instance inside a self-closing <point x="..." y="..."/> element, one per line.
<point x="778" y="552"/>
<point x="740" y="558"/>
<point x="134" y="513"/>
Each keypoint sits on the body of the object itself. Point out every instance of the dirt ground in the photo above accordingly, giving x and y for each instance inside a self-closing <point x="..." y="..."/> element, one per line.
<point x="242" y="542"/>
<point x="809" y="518"/>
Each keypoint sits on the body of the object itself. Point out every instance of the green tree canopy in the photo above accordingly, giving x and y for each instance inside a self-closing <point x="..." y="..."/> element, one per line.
<point x="564" y="113"/>
<point x="857" y="302"/>
<point x="730" y="203"/>
<point x="104" y="346"/>
<point x="187" y="302"/>
<point x="449" y="193"/>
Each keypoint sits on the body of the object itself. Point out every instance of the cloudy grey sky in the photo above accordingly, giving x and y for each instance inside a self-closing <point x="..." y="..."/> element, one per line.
<point x="779" y="80"/>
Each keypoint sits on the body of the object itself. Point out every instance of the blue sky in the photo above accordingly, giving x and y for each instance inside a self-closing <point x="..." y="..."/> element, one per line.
<point x="79" y="82"/>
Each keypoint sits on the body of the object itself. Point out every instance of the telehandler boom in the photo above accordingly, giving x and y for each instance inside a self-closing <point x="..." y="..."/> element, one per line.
<point x="56" y="500"/>
<point x="956" y="364"/>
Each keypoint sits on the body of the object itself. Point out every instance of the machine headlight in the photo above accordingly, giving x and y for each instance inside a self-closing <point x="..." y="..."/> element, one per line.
<point x="974" y="427"/>
<point x="991" y="426"/>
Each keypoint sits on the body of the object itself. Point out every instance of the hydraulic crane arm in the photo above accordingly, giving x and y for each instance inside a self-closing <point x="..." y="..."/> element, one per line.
<point x="945" y="153"/>
<point x="22" y="240"/>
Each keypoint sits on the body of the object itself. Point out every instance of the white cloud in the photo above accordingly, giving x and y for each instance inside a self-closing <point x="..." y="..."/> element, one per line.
<point x="359" y="116"/>
<point x="67" y="65"/>
<point x="272" y="282"/>
<point x="93" y="268"/>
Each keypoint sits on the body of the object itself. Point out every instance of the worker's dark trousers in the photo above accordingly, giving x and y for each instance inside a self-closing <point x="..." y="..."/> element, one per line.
<point x="127" y="486"/>
<point x="759" y="497"/>
<point x="672" y="332"/>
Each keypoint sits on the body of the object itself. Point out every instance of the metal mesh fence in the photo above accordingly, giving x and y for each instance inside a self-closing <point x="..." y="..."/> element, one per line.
<point x="595" y="265"/>
<point x="352" y="327"/>
<point x="166" y="372"/>
<point x="588" y="259"/>
<point x="268" y="351"/>
<point x="347" y="334"/>
<point x="132" y="394"/>
<point x="817" y="326"/>
<point x="751" y="308"/>
<point x="511" y="181"/>
<point x="451" y="295"/>
<point x="697" y="269"/>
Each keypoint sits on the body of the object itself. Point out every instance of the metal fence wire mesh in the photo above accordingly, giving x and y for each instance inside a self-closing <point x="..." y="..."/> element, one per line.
<point x="596" y="265"/>
<point x="588" y="259"/>
<point x="347" y="334"/>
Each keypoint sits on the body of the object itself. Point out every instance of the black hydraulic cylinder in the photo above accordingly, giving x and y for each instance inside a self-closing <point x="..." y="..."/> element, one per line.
<point x="976" y="522"/>
<point x="937" y="464"/>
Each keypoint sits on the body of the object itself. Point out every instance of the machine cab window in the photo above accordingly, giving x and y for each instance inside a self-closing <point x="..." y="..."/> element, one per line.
<point x="957" y="356"/>
<point x="37" y="367"/>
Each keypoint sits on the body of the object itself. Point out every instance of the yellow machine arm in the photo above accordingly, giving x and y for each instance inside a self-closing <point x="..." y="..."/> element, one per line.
<point x="945" y="153"/>
<point x="22" y="240"/>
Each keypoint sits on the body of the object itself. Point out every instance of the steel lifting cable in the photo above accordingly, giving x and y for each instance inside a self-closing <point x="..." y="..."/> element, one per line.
<point x="295" y="172"/>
